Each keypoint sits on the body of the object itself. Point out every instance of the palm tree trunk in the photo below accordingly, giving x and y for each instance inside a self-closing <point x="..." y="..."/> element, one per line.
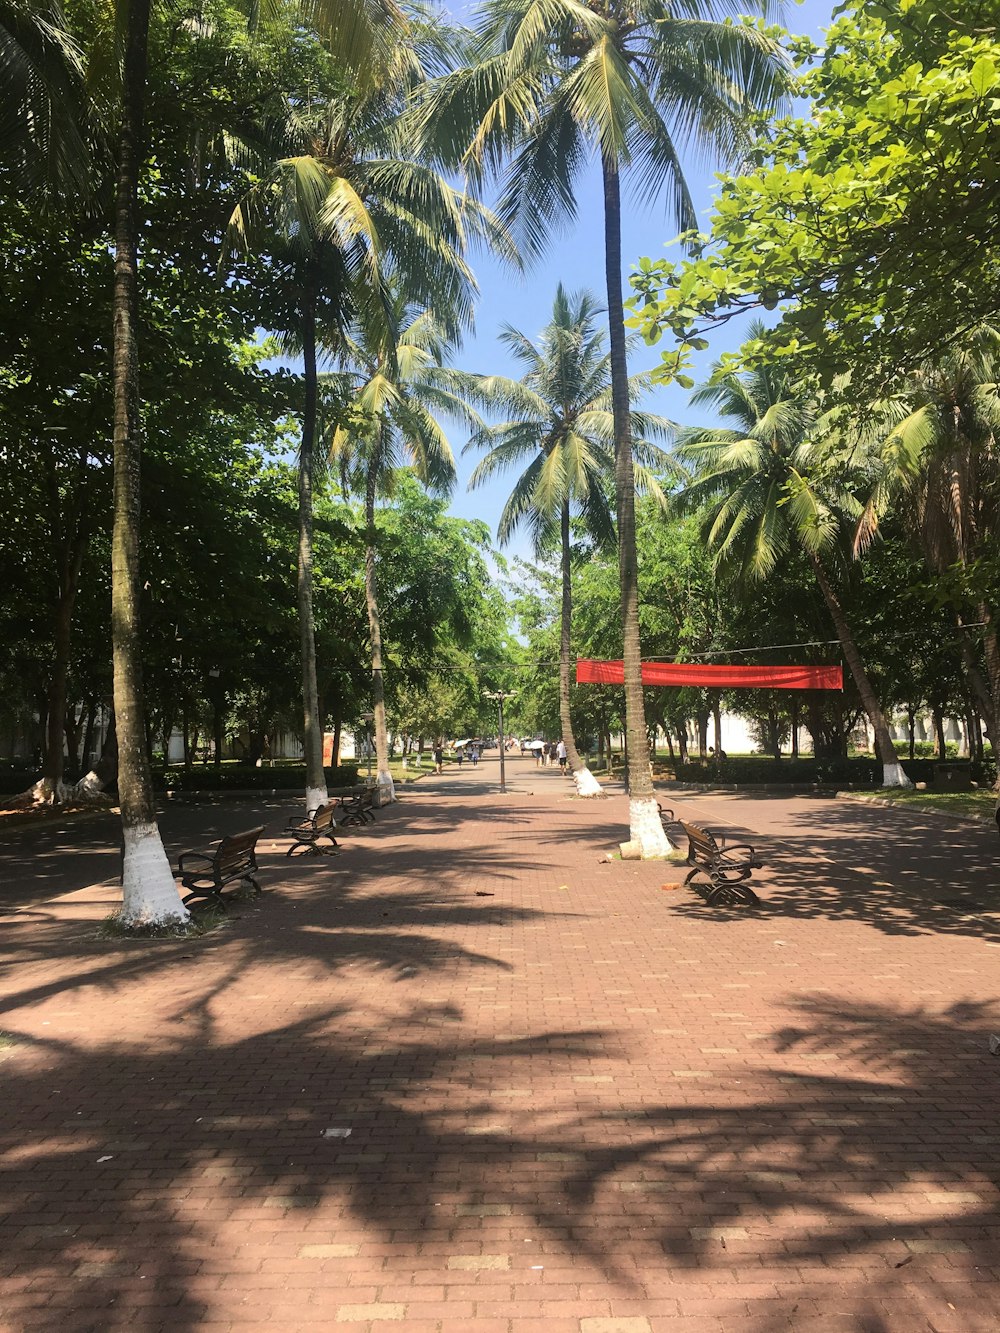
<point x="892" y="769"/>
<point x="586" y="783"/>
<point x="149" y="891"/>
<point x="387" y="789"/>
<point x="645" y="828"/>
<point x="312" y="729"/>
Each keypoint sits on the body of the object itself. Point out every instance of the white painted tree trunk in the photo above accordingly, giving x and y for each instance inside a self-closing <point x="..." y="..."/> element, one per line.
<point x="149" y="891"/>
<point x="386" y="787"/>
<point x="893" y="776"/>
<point x="315" y="797"/>
<point x="646" y="828"/>
<point x="586" y="783"/>
<point x="89" y="786"/>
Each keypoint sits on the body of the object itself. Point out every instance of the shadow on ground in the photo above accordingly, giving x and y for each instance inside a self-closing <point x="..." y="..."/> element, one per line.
<point x="134" y="1162"/>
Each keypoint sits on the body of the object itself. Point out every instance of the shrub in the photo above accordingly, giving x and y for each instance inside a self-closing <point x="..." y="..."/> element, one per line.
<point x="247" y="777"/>
<point x="753" y="770"/>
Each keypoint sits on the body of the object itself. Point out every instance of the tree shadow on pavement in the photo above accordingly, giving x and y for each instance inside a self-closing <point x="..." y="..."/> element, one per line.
<point x="180" y="1171"/>
<point x="901" y="876"/>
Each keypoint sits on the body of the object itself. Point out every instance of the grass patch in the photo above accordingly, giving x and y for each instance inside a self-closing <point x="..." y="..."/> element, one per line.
<point x="7" y="1040"/>
<point x="972" y="804"/>
<point x="203" y="921"/>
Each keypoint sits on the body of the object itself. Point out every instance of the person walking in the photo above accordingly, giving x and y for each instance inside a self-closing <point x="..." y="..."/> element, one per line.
<point x="439" y="755"/>
<point x="474" y="756"/>
<point x="539" y="755"/>
<point x="460" y="754"/>
<point x="561" y="755"/>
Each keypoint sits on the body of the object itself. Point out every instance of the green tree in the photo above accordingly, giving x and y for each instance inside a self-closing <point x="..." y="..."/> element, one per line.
<point x="868" y="219"/>
<point x="932" y="451"/>
<point x="45" y="115"/>
<point x="391" y="425"/>
<point x="635" y="81"/>
<point x="353" y="216"/>
<point x="563" y="425"/>
<point x="763" y="495"/>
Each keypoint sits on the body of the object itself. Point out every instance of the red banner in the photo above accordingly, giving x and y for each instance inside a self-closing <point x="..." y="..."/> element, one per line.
<point x="713" y="676"/>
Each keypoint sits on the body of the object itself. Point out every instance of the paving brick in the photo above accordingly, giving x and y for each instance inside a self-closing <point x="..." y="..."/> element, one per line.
<point x="574" y="1103"/>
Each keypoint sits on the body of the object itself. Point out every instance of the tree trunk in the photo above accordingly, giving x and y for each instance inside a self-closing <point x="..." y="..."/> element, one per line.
<point x="149" y="892"/>
<point x="586" y="783"/>
<point x="717" y="725"/>
<point x="335" y="753"/>
<point x="701" y="718"/>
<point x="312" y="730"/>
<point x="645" y="828"/>
<point x="981" y="691"/>
<point x="938" y="715"/>
<point x="892" y="769"/>
<point x="795" y="725"/>
<point x="911" y="729"/>
<point x="387" y="789"/>
<point x="88" y="734"/>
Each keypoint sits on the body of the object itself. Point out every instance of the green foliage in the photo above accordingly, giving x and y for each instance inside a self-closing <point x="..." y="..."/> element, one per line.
<point x="248" y="777"/>
<point x="870" y="220"/>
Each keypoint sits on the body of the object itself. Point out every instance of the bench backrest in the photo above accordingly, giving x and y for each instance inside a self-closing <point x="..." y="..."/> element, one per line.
<point x="238" y="852"/>
<point x="701" y="845"/>
<point x="323" y="818"/>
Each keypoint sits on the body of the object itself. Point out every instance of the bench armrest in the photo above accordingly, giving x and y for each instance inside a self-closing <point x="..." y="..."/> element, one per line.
<point x="738" y="847"/>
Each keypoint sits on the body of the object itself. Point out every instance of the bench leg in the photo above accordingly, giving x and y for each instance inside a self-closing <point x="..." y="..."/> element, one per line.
<point x="204" y="897"/>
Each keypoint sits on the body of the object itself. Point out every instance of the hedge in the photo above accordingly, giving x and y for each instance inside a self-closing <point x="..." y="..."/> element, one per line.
<point x="857" y="772"/>
<point x="238" y="777"/>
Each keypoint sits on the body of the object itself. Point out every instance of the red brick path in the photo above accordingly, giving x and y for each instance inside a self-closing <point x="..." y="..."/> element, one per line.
<point x="582" y="1104"/>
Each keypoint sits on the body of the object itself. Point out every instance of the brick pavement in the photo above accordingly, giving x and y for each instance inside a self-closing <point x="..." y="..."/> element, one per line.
<point x="468" y="1076"/>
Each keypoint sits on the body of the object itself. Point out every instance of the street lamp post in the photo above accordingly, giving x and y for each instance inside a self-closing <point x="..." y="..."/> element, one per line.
<point x="499" y="696"/>
<point x="368" y="718"/>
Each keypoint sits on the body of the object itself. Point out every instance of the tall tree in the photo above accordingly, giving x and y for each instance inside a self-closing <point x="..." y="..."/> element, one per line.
<point x="562" y="423"/>
<point x="150" y="893"/>
<point x="762" y="497"/>
<point x="636" y="80"/>
<point x="359" y="218"/>
<point x="933" y="452"/>
<point x="391" y="424"/>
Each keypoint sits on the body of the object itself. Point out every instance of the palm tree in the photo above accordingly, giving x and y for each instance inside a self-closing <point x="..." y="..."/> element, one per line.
<point x="361" y="34"/>
<point x="635" y="80"/>
<point x="44" y="109"/>
<point x="394" y="395"/>
<point x="563" y="424"/>
<point x="355" y="214"/>
<point x="934" y="449"/>
<point x="762" y="501"/>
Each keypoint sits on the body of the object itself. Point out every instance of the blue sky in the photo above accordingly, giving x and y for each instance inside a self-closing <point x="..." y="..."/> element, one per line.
<point x="576" y="258"/>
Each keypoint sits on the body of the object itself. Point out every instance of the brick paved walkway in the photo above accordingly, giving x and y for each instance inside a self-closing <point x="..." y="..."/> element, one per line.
<point x="467" y="1076"/>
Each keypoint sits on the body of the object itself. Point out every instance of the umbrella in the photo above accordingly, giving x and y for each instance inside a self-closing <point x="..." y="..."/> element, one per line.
<point x="534" y="745"/>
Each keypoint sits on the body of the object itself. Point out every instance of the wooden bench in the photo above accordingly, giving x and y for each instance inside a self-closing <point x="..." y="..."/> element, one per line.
<point x="357" y="809"/>
<point x="726" y="868"/>
<point x="206" y="874"/>
<point x="306" y="833"/>
<point x="666" y="816"/>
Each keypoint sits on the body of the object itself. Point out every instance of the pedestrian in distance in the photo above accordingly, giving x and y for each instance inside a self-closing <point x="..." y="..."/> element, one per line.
<point x="474" y="756"/>
<point x="439" y="755"/>
<point x="561" y="755"/>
